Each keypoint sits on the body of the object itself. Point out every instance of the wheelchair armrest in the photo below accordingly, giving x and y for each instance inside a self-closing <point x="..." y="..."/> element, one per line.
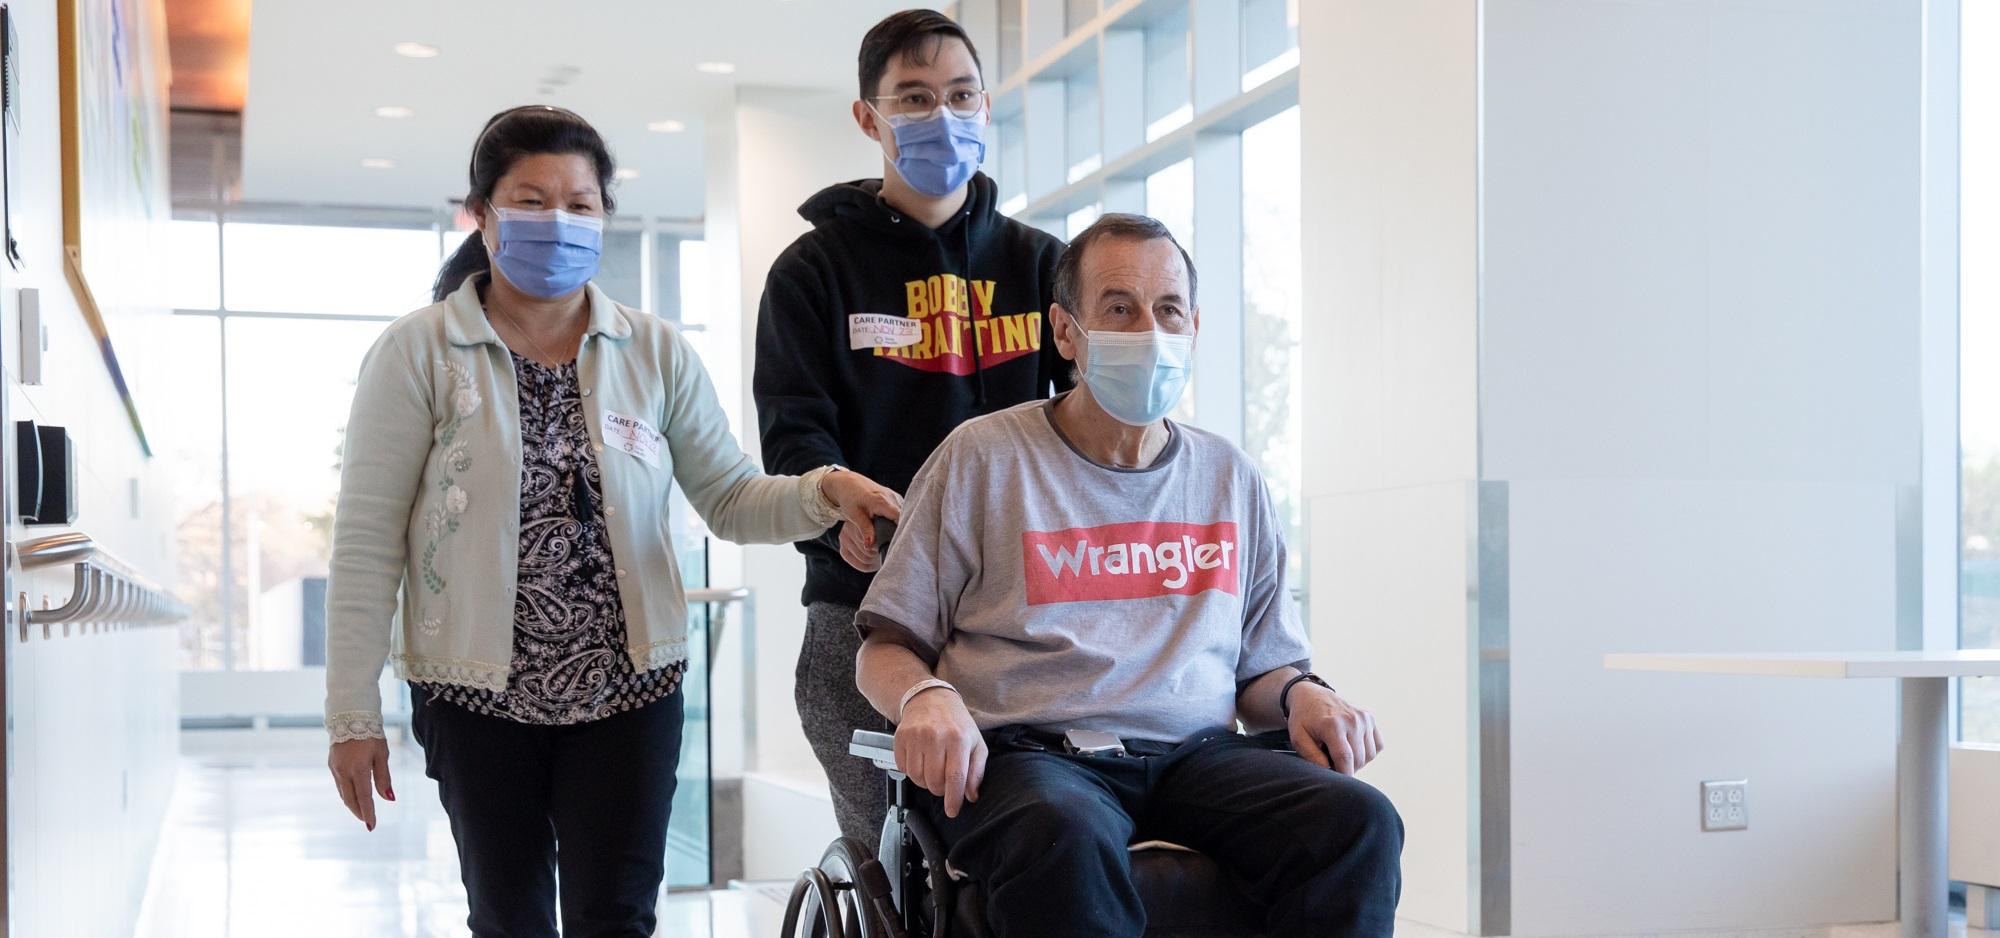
<point x="879" y="748"/>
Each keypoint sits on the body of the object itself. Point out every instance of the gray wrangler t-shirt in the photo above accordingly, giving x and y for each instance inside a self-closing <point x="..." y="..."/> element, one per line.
<point x="1062" y="594"/>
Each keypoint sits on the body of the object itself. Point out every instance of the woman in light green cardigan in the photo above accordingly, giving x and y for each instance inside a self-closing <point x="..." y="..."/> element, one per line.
<point x="507" y="468"/>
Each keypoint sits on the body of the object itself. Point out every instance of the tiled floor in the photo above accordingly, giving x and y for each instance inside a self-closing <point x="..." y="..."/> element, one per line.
<point x="257" y="844"/>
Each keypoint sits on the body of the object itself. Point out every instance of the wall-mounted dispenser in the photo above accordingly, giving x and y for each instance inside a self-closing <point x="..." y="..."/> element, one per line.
<point x="46" y="472"/>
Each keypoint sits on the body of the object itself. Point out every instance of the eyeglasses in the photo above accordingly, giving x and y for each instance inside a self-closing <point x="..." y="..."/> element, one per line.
<point x="923" y="102"/>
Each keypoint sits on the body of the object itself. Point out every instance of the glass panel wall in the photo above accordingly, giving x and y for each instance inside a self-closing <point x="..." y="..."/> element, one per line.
<point x="1979" y="347"/>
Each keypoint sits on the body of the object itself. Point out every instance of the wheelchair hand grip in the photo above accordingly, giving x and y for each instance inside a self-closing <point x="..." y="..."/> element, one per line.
<point x="885" y="531"/>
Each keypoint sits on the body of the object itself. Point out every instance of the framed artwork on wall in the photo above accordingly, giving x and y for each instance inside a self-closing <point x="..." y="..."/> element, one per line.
<point x="115" y="195"/>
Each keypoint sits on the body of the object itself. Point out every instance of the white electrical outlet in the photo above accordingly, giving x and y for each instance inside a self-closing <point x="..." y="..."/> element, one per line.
<point x="1725" y="806"/>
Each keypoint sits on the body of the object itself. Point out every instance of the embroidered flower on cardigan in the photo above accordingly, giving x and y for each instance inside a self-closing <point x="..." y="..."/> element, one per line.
<point x="442" y="522"/>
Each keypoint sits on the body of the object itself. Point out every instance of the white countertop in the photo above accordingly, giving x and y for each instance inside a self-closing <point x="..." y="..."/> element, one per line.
<point x="1840" y="664"/>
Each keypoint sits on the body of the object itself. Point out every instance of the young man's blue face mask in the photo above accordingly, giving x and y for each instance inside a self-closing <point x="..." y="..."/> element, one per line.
<point x="939" y="153"/>
<point x="547" y="253"/>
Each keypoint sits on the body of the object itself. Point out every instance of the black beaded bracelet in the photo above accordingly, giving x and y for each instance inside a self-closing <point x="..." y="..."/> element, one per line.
<point x="1284" y="696"/>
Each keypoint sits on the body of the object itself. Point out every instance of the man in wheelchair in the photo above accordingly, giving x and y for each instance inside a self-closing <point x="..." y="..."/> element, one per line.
<point x="1082" y="601"/>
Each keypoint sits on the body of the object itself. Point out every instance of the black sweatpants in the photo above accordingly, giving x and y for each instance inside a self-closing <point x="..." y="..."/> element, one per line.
<point x="831" y="708"/>
<point x="587" y="802"/>
<point x="1320" y="852"/>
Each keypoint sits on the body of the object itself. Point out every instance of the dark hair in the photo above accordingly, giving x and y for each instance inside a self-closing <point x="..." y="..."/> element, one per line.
<point x="913" y="34"/>
<point x="508" y="136"/>
<point x="1069" y="267"/>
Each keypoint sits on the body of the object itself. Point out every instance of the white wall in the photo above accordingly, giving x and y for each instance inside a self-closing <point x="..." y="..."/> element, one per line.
<point x="91" y="718"/>
<point x="1699" y="377"/>
<point x="1697" y="337"/>
<point x="770" y="152"/>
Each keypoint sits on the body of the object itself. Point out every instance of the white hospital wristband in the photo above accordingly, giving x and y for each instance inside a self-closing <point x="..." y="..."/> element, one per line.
<point x="918" y="688"/>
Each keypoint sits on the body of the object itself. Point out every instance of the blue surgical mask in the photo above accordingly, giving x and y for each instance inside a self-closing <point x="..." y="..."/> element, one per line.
<point x="1137" y="377"/>
<point x="547" y="253"/>
<point x="937" y="154"/>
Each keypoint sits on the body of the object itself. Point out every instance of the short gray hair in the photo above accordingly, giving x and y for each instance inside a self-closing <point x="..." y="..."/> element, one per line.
<point x="1069" y="267"/>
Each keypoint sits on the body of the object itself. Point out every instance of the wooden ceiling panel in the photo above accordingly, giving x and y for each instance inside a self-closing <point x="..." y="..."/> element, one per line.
<point x="209" y="42"/>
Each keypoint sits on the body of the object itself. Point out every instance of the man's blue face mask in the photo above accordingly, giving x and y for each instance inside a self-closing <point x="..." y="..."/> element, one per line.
<point x="937" y="154"/>
<point x="1137" y="377"/>
<point x="547" y="253"/>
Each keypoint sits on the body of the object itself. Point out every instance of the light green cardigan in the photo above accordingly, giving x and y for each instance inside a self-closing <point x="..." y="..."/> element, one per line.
<point x="430" y="497"/>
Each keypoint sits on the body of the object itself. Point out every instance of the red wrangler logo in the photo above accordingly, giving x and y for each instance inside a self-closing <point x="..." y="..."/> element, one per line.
<point x="1133" y="560"/>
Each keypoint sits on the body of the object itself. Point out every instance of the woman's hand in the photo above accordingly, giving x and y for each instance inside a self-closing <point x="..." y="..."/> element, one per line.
<point x="861" y="501"/>
<point x="359" y="765"/>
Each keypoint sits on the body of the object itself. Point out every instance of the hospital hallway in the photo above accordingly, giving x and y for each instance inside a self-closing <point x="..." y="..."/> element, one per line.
<point x="1527" y="468"/>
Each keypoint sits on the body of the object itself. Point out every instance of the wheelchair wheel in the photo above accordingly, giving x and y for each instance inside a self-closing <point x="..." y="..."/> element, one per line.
<point x="845" y="896"/>
<point x="814" y="910"/>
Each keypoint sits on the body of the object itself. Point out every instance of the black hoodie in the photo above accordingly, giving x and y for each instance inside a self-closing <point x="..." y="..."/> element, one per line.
<point x="972" y="296"/>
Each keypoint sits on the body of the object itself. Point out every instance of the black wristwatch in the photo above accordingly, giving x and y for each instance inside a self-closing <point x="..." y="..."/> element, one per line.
<point x="1284" y="696"/>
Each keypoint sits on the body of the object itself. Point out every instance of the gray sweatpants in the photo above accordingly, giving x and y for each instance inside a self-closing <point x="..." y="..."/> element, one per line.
<point x="831" y="708"/>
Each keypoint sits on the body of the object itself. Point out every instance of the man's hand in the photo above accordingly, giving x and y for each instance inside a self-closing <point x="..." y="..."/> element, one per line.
<point x="861" y="500"/>
<point x="1331" y="732"/>
<point x="939" y="747"/>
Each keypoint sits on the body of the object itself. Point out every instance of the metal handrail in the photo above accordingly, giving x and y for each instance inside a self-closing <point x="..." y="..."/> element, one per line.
<point x="719" y="595"/>
<point x="103" y="592"/>
<point x="67" y="547"/>
<point x="721" y="598"/>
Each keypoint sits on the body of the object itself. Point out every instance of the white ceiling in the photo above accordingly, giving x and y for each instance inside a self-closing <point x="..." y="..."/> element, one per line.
<point x="319" y="70"/>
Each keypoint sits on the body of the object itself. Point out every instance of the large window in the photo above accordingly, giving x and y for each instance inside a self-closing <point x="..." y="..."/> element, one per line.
<point x="1979" y="348"/>
<point x="1186" y="111"/>
<point x="271" y="330"/>
<point x="1273" y="288"/>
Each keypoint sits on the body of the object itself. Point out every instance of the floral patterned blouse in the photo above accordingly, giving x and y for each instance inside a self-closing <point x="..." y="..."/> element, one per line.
<point x="569" y="661"/>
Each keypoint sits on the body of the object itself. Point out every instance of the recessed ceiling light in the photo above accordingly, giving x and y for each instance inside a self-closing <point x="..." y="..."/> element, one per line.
<point x="627" y="173"/>
<point x="417" y="50"/>
<point x="666" y="127"/>
<point x="394" y="111"/>
<point x="375" y="162"/>
<point x="715" y="68"/>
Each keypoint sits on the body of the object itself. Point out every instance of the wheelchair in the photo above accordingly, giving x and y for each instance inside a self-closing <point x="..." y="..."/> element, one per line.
<point x="904" y="888"/>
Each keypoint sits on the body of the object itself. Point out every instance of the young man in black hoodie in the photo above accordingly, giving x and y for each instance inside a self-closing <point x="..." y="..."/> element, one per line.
<point x="912" y="306"/>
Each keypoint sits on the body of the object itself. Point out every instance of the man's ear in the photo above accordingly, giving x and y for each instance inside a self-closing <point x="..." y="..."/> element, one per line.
<point x="864" y="118"/>
<point x="1065" y="330"/>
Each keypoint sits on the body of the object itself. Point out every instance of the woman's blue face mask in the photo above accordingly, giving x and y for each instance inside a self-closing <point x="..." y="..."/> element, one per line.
<point x="548" y="253"/>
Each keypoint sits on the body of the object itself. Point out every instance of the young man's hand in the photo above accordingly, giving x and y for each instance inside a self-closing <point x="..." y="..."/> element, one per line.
<point x="1328" y="731"/>
<point x="939" y="747"/>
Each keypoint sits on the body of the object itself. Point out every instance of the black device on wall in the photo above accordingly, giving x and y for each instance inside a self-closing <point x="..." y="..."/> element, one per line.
<point x="46" y="474"/>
